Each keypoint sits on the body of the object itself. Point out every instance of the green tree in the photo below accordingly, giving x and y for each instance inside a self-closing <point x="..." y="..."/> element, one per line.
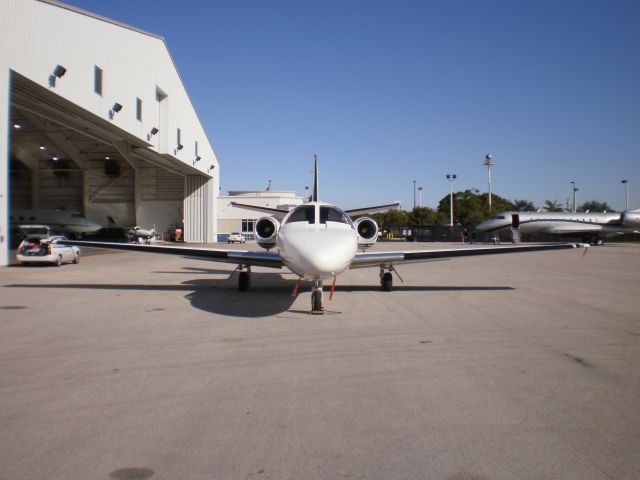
<point x="470" y="208"/>
<point x="595" y="206"/>
<point x="421" y="216"/>
<point x="552" y="206"/>
<point x="524" y="206"/>
<point x="391" y="220"/>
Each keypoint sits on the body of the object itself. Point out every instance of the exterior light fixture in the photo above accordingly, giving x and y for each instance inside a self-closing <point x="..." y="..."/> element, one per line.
<point x="198" y="158"/>
<point x="17" y="125"/>
<point x="212" y="166"/>
<point x="180" y="146"/>
<point x="107" y="157"/>
<point x="116" y="107"/>
<point x="59" y="71"/>
<point x="153" y="131"/>
<point x="43" y="147"/>
<point x="55" y="158"/>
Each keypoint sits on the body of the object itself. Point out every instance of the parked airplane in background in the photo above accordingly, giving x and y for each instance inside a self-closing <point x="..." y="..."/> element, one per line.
<point x="591" y="226"/>
<point x="63" y="220"/>
<point x="317" y="241"/>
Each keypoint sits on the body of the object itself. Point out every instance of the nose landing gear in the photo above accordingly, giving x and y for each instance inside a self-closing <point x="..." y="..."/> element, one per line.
<point x="316" y="298"/>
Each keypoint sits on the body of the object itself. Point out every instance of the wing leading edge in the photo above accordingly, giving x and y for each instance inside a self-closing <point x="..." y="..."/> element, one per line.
<point x="372" y="259"/>
<point x="238" y="257"/>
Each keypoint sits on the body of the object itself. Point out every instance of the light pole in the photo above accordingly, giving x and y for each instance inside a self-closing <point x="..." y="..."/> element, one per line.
<point x="626" y="195"/>
<point x="488" y="162"/>
<point x="573" y="191"/>
<point x="451" y="177"/>
<point x="414" y="194"/>
<point x="420" y="197"/>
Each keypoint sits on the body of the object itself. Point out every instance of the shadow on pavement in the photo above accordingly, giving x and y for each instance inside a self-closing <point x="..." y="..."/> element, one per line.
<point x="269" y="295"/>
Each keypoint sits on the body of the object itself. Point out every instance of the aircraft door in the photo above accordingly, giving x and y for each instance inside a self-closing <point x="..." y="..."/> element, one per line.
<point x="515" y="220"/>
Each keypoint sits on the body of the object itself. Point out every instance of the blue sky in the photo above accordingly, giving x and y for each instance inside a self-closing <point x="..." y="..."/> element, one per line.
<point x="388" y="92"/>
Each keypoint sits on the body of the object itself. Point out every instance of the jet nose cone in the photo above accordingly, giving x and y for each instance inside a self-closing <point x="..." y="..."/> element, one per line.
<point x="320" y="254"/>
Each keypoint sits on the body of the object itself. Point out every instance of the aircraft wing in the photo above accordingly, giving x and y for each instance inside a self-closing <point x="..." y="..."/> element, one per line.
<point x="371" y="259"/>
<point x="257" y="208"/>
<point x="369" y="210"/>
<point x="239" y="257"/>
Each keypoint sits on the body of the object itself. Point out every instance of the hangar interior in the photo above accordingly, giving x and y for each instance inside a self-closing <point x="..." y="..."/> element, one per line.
<point x="63" y="157"/>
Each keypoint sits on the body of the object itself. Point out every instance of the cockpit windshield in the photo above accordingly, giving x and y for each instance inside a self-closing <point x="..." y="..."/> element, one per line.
<point x="304" y="213"/>
<point x="333" y="214"/>
<point x="497" y="217"/>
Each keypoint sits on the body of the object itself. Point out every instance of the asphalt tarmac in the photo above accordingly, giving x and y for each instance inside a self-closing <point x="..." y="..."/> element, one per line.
<point x="134" y="366"/>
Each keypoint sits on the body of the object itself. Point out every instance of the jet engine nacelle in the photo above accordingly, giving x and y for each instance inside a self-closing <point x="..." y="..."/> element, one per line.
<point x="630" y="219"/>
<point x="367" y="229"/>
<point x="266" y="230"/>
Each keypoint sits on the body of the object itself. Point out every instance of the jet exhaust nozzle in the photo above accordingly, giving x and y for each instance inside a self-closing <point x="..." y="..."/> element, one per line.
<point x="266" y="231"/>
<point x="367" y="229"/>
<point x="630" y="219"/>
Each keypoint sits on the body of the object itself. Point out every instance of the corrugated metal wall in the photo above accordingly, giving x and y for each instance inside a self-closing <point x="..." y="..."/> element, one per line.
<point x="161" y="184"/>
<point x="198" y="205"/>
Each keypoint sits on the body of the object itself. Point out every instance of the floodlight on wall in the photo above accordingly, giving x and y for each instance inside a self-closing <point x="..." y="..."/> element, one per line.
<point x="180" y="146"/>
<point x="17" y="125"/>
<point x="116" y="107"/>
<point x="43" y="147"/>
<point x="59" y="71"/>
<point x="211" y="167"/>
<point x="55" y="158"/>
<point x="198" y="158"/>
<point x="153" y="131"/>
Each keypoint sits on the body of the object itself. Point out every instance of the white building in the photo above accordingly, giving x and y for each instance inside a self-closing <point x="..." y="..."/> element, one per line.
<point x="105" y="99"/>
<point x="235" y="219"/>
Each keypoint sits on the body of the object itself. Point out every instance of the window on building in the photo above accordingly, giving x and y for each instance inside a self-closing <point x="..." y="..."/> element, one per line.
<point x="97" y="80"/>
<point x="138" y="109"/>
<point x="248" y="225"/>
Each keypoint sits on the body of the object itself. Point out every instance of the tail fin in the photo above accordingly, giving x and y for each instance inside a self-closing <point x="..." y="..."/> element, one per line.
<point x="315" y="178"/>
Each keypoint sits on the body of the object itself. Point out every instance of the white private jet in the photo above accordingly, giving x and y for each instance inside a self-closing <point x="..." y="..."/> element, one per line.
<point x="592" y="226"/>
<point x="63" y="220"/>
<point x="317" y="241"/>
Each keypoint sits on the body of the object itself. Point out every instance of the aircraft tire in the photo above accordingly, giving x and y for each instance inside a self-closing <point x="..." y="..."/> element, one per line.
<point x="386" y="282"/>
<point x="244" y="280"/>
<point x="316" y="301"/>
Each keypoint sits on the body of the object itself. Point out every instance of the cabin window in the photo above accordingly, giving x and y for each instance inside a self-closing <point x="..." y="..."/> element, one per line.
<point x="333" y="214"/>
<point x="305" y="213"/>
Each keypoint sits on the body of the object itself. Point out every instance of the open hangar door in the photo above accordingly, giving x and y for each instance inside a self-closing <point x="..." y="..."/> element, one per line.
<point x="65" y="158"/>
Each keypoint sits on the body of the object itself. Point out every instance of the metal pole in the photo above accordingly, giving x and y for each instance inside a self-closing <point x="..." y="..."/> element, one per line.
<point x="488" y="162"/>
<point x="573" y="193"/>
<point x="626" y="195"/>
<point x="420" y="197"/>
<point x="414" y="194"/>
<point x="451" y="178"/>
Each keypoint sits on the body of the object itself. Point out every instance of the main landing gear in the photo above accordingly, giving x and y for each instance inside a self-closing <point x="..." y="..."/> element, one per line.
<point x="386" y="277"/>
<point x="244" y="278"/>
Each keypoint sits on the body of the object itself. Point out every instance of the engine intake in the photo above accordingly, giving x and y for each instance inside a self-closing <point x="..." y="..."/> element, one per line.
<point x="367" y="229"/>
<point x="266" y="230"/>
<point x="630" y="219"/>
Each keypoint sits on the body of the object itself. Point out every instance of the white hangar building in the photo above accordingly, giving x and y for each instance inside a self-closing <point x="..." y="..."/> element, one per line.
<point x="236" y="219"/>
<point x="95" y="119"/>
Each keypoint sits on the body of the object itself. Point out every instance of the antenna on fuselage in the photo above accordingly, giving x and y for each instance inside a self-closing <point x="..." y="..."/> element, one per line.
<point x="315" y="178"/>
